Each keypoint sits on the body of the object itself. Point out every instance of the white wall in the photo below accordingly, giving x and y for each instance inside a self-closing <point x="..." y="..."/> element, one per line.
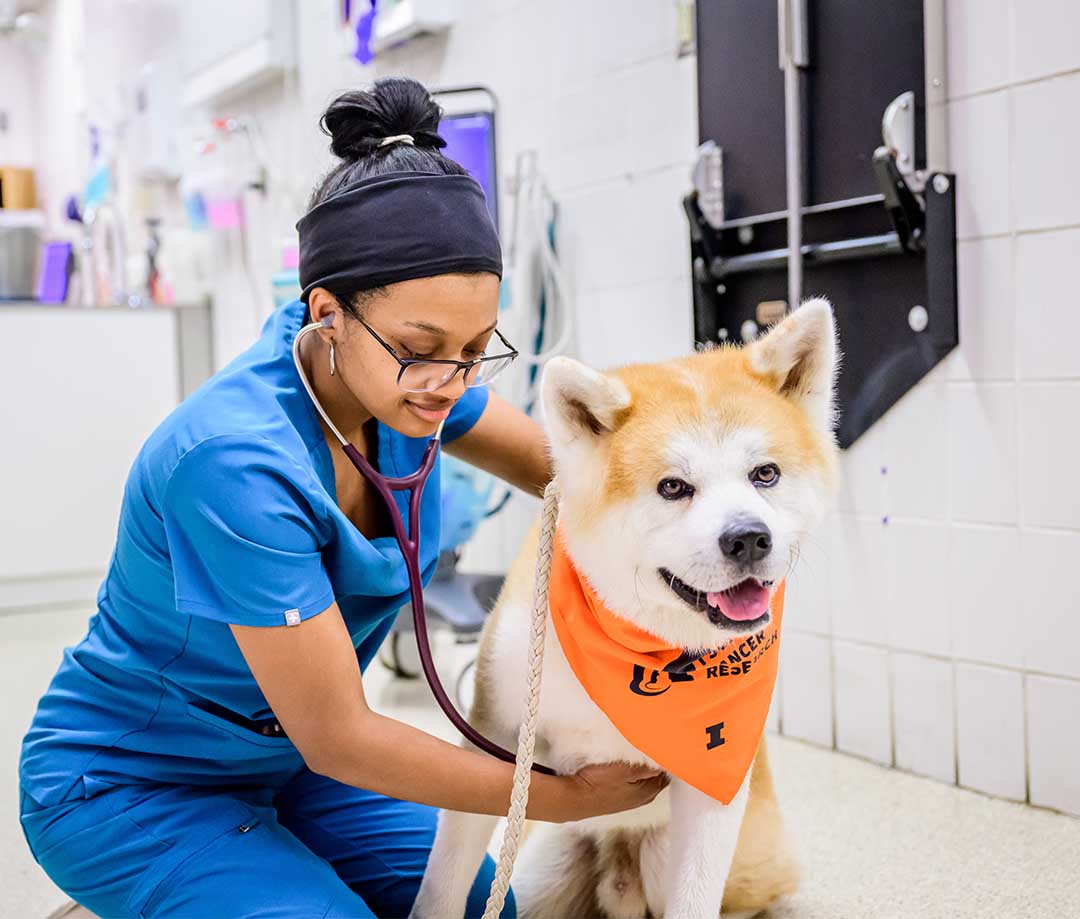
<point x="17" y="139"/>
<point x="936" y="624"/>
<point x="59" y="86"/>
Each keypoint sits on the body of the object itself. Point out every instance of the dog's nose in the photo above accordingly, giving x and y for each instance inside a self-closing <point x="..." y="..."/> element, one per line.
<point x="746" y="541"/>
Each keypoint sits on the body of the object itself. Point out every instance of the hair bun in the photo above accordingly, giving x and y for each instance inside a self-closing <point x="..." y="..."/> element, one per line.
<point x="359" y="121"/>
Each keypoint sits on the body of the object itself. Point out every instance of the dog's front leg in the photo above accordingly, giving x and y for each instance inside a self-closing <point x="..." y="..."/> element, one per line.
<point x="702" y="837"/>
<point x="460" y="843"/>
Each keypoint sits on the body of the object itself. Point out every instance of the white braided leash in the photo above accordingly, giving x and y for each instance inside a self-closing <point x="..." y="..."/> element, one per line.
<point x="519" y="796"/>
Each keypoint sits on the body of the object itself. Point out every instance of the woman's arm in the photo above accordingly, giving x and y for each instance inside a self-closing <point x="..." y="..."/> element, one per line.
<point x="310" y="676"/>
<point x="507" y="443"/>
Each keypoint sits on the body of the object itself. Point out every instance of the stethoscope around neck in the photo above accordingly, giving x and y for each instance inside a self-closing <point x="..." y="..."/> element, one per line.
<point x="410" y="550"/>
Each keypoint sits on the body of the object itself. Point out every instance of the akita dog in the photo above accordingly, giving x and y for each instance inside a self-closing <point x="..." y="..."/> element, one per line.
<point x="686" y="489"/>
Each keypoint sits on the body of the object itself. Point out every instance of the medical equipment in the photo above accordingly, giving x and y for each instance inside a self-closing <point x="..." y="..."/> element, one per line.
<point x="55" y="275"/>
<point x="410" y="549"/>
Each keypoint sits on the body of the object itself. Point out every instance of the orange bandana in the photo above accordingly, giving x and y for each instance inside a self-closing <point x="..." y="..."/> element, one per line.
<point x="700" y="716"/>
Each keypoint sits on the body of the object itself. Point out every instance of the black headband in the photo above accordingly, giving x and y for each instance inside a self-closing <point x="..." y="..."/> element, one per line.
<point x="397" y="227"/>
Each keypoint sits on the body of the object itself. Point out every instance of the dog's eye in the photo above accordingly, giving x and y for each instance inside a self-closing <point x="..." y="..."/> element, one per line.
<point x="767" y="475"/>
<point x="672" y="489"/>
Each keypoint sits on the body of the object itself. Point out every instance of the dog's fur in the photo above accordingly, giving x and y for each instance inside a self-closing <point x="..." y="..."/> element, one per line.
<point x="709" y="418"/>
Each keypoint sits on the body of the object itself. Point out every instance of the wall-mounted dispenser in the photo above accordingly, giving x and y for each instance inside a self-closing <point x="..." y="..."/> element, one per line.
<point x="825" y="173"/>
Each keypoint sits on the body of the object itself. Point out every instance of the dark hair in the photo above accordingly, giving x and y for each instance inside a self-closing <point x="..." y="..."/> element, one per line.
<point x="357" y="122"/>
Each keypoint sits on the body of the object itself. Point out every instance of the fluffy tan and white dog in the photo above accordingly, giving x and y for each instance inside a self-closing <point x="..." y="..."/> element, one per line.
<point x="658" y="464"/>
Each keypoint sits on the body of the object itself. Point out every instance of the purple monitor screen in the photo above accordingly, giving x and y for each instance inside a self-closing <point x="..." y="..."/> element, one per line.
<point x="470" y="140"/>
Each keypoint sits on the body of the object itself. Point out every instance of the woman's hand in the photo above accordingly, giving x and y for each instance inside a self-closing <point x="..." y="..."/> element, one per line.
<point x="601" y="788"/>
<point x="310" y="676"/>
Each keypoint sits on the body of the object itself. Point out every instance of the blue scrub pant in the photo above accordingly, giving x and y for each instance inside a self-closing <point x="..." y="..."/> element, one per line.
<point x="312" y="847"/>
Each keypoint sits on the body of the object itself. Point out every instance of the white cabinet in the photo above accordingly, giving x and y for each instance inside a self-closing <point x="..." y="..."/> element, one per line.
<point x="80" y="390"/>
<point x="231" y="47"/>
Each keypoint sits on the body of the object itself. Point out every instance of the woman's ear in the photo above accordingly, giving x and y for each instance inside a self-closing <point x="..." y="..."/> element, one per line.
<point x="581" y="408"/>
<point x="324" y="309"/>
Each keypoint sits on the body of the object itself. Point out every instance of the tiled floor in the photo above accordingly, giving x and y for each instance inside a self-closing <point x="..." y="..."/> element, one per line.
<point x="875" y="843"/>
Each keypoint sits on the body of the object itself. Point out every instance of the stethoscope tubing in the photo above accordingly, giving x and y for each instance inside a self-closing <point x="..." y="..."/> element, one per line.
<point x="410" y="551"/>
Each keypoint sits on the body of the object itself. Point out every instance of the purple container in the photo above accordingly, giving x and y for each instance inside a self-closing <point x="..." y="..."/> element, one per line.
<point x="55" y="271"/>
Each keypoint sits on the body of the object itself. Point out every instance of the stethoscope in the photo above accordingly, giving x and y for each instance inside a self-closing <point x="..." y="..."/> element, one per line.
<point x="410" y="549"/>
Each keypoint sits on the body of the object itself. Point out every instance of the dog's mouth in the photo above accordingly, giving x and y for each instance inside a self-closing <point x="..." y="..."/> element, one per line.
<point x="742" y="606"/>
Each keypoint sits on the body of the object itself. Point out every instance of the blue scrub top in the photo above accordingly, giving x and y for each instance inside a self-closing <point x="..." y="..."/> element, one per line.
<point x="229" y="515"/>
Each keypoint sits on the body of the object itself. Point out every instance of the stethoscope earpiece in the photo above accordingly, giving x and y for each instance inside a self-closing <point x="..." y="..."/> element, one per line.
<point x="327" y="320"/>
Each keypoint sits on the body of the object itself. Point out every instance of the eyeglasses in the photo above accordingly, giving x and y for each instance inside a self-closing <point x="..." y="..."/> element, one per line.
<point x="420" y="374"/>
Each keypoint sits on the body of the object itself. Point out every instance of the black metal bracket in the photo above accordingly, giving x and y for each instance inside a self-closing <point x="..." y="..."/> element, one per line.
<point x="906" y="210"/>
<point x="895" y="303"/>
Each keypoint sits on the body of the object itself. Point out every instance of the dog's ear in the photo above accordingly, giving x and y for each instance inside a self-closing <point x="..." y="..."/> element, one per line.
<point x="581" y="406"/>
<point x="800" y="357"/>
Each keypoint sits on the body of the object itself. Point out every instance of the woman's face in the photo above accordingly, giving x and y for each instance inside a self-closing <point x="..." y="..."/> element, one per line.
<point x="448" y="316"/>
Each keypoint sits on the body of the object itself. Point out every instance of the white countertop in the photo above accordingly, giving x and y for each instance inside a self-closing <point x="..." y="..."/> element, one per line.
<point x="75" y="308"/>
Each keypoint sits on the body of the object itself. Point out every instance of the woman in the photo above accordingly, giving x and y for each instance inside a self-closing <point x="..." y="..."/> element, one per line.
<point x="206" y="749"/>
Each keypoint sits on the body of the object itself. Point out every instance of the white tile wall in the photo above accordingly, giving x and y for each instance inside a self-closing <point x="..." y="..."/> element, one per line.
<point x="979" y="37"/>
<point x="917" y="481"/>
<point x="1054" y="742"/>
<point x="663" y="330"/>
<point x="1047" y="184"/>
<point x="986" y="616"/>
<point x="593" y="149"/>
<point x="860" y="578"/>
<point x="917" y="613"/>
<point x="863" y="719"/>
<point x="1048" y="311"/>
<point x="990" y="730"/>
<point x="1051" y="603"/>
<point x="626" y="34"/>
<point x="979" y="150"/>
<point x="986" y="295"/>
<point x="863" y="486"/>
<point x="982" y="452"/>
<point x="960" y="515"/>
<point x="1050" y="442"/>
<point x="808" y="594"/>
<point x="663" y="120"/>
<point x="1046" y="43"/>
<point x="923" y="711"/>
<point x="806" y="708"/>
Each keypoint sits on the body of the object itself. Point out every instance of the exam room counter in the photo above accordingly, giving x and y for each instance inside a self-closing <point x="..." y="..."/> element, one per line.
<point x="82" y="388"/>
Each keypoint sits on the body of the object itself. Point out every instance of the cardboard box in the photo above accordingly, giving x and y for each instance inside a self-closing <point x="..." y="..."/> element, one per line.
<point x="17" y="188"/>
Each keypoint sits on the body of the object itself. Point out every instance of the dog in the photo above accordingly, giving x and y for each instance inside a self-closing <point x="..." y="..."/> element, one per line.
<point x="686" y="489"/>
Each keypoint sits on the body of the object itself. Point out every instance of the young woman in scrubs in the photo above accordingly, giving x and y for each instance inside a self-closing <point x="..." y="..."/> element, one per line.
<point x="206" y="750"/>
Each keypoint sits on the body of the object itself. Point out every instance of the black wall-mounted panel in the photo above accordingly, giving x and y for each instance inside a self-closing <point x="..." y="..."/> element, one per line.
<point x="858" y="254"/>
<point x="872" y="298"/>
<point x="855" y="71"/>
<point x="741" y="103"/>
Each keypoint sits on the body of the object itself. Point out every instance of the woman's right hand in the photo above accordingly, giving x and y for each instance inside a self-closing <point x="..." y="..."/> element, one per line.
<point x="605" y="788"/>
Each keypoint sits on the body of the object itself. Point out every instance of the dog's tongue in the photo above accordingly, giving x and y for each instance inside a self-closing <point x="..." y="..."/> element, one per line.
<point x="743" y="602"/>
